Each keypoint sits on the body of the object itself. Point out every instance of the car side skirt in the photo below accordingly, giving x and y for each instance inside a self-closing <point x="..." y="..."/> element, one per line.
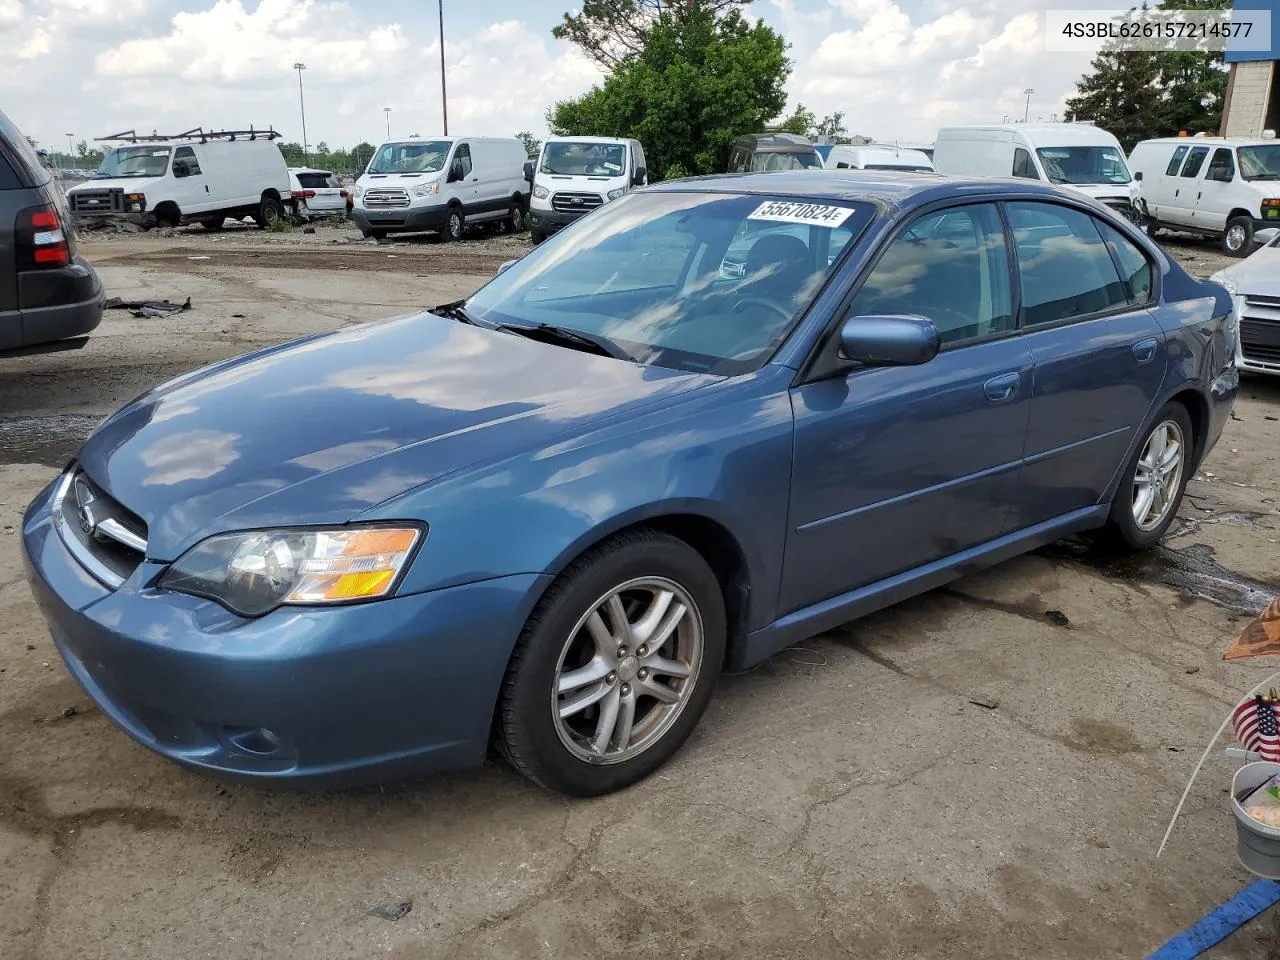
<point x="830" y="613"/>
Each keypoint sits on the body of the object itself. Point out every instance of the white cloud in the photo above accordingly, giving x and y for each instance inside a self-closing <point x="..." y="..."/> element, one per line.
<point x="10" y="14"/>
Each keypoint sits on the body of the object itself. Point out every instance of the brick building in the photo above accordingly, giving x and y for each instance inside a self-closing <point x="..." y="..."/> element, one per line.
<point x="1253" y="84"/>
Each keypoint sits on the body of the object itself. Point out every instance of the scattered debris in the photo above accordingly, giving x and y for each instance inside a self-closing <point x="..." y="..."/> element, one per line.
<point x="148" y="308"/>
<point x="392" y="910"/>
<point x="1057" y="618"/>
<point x="31" y="646"/>
<point x="308" y="229"/>
<point x="200" y="258"/>
<point x="986" y="703"/>
<point x="1269" y="417"/>
<point x="1193" y="670"/>
<point x="68" y="713"/>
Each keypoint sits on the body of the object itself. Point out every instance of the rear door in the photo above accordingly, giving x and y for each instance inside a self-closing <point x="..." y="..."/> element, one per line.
<point x="1213" y="193"/>
<point x="1181" y="206"/>
<point x="1099" y="354"/>
<point x="1158" y="185"/>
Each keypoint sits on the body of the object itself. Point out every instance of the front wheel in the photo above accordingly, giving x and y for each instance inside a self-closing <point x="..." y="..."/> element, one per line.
<point x="614" y="667"/>
<point x="453" y="226"/>
<point x="1153" y="481"/>
<point x="269" y="211"/>
<point x="1238" y="240"/>
<point x="374" y="234"/>
<point x="514" y="221"/>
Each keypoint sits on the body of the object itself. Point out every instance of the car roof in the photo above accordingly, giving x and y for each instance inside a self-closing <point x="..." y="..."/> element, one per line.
<point x="765" y="141"/>
<point x="587" y="140"/>
<point x="1219" y="141"/>
<point x="328" y="173"/>
<point x="890" y="187"/>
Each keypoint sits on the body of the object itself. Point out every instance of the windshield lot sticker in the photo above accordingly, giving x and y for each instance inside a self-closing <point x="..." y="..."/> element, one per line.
<point x="813" y="214"/>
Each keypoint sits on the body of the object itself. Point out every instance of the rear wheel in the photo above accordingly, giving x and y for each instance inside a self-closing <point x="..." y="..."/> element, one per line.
<point x="514" y="221"/>
<point x="453" y="225"/>
<point x="1151" y="487"/>
<point x="269" y="211"/>
<point x="615" y="666"/>
<point x="1238" y="239"/>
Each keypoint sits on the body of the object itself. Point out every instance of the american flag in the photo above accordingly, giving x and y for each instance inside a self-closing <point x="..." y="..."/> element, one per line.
<point x="1256" y="724"/>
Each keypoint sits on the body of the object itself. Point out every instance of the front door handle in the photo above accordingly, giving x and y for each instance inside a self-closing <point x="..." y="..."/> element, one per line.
<point x="1001" y="388"/>
<point x="1144" y="351"/>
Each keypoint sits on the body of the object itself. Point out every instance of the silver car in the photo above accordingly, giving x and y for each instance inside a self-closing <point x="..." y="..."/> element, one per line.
<point x="1255" y="286"/>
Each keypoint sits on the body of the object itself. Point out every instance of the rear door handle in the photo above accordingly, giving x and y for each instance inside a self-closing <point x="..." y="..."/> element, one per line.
<point x="1144" y="351"/>
<point x="1001" y="388"/>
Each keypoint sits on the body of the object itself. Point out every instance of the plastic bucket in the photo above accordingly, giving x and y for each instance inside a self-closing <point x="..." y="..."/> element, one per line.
<point x="1257" y="845"/>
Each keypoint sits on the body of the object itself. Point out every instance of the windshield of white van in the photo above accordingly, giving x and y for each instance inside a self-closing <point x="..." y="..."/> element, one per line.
<point x="1084" y="165"/>
<point x="418" y="156"/>
<point x="583" y="159"/>
<point x="770" y="162"/>
<point x="1260" y="163"/>
<point x="149" y="161"/>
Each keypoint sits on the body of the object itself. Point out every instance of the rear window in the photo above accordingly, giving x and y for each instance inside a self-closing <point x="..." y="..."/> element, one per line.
<point x="314" y="181"/>
<point x="18" y="151"/>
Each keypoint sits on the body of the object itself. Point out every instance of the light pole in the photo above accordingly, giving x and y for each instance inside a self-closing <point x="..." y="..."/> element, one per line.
<point x="1027" y="112"/>
<point x="387" y="111"/>
<point x="302" y="105"/>
<point x="444" y="99"/>
<point x="71" y="150"/>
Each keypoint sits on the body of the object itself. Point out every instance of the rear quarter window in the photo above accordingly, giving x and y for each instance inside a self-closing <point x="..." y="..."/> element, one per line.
<point x="19" y="163"/>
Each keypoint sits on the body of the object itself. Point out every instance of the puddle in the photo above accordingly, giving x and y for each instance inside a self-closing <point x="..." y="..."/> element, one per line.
<point x="50" y="441"/>
<point x="1190" y="570"/>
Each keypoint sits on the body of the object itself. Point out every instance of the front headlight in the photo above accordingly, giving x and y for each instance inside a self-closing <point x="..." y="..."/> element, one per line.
<point x="253" y="573"/>
<point x="358" y="191"/>
<point x="541" y="192"/>
<point x="426" y="189"/>
<point x="1232" y="285"/>
<point x="615" y="194"/>
<point x="135" y="202"/>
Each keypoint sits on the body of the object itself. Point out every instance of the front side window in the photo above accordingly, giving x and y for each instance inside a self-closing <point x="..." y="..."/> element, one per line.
<point x="572" y="159"/>
<point x="1084" y="164"/>
<point x="463" y="159"/>
<point x="414" y="156"/>
<point x="1176" y="161"/>
<point x="1195" y="160"/>
<point x="1064" y="267"/>
<point x="951" y="267"/>
<point x="148" y="161"/>
<point x="1261" y="162"/>
<point x="649" y="273"/>
<point x="1222" y="167"/>
<point x="1023" y="166"/>
<point x="185" y="163"/>
<point x="1135" y="268"/>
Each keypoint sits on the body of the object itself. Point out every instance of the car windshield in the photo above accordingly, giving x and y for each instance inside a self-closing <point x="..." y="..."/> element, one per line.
<point x="148" y="161"/>
<point x="706" y="282"/>
<point x="583" y="159"/>
<point x="770" y="162"/>
<point x="1084" y="164"/>
<point x="417" y="156"/>
<point x="1261" y="162"/>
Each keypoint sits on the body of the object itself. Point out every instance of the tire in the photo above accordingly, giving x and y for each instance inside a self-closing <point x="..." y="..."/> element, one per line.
<point x="513" y="222"/>
<point x="168" y="215"/>
<point x="269" y="211"/>
<point x="556" y="643"/>
<point x="213" y="225"/>
<point x="1237" y="241"/>
<point x="374" y="234"/>
<point x="454" y="224"/>
<point x="1124" y="528"/>
<point x="536" y="238"/>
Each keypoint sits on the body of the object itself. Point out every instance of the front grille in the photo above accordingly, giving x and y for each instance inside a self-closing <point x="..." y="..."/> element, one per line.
<point x="109" y="200"/>
<point x="1260" y="339"/>
<point x="382" y="199"/>
<point x="575" y="202"/>
<point x="107" y="539"/>
<point x="1258" y="300"/>
<point x="1120" y="205"/>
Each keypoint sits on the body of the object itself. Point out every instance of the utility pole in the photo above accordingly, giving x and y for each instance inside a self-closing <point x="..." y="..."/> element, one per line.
<point x="302" y="105"/>
<point x="387" y="111"/>
<point x="71" y="150"/>
<point x="444" y="99"/>
<point x="1027" y="113"/>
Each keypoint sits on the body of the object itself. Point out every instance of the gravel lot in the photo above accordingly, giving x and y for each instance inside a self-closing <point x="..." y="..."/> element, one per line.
<point x="959" y="776"/>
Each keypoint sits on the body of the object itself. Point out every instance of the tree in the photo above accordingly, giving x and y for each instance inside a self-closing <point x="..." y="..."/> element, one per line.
<point x="832" y="125"/>
<point x="801" y="121"/>
<point x="322" y="149"/>
<point x="293" y="154"/>
<point x="702" y="78"/>
<point x="613" y="31"/>
<point x="532" y="145"/>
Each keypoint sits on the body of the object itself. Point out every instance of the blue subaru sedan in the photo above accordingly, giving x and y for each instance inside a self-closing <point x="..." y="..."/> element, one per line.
<point x="546" y="517"/>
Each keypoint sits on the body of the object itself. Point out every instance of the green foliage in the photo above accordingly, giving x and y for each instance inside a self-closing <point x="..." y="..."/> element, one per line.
<point x="532" y="145"/>
<point x="701" y="79"/>
<point x="801" y="122"/>
<point x="1142" y="94"/>
<point x="613" y="31"/>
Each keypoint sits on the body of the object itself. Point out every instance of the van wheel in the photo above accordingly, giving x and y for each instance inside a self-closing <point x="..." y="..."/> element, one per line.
<point x="514" y="221"/>
<point x="214" y="224"/>
<point x="453" y="226"/>
<point x="1238" y="240"/>
<point x="536" y="238"/>
<point x="269" y="211"/>
<point x="168" y="215"/>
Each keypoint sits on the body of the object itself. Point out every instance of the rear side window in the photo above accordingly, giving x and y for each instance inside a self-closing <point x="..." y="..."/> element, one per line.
<point x="1176" y="161"/>
<point x="1065" y="269"/>
<point x="8" y="179"/>
<point x="1022" y="165"/>
<point x="950" y="267"/>
<point x="21" y="167"/>
<point x="1135" y="268"/>
<point x="1195" y="160"/>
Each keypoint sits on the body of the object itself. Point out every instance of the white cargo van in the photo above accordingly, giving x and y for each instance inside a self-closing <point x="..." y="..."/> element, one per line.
<point x="876" y="156"/>
<point x="574" y="175"/>
<point x="1226" y="188"/>
<point x="1079" y="156"/>
<point x="442" y="184"/>
<point x="193" y="177"/>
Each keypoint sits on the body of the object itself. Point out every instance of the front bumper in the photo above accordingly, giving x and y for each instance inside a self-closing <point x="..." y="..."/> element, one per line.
<point x="401" y="219"/>
<point x="549" y="221"/>
<point x="306" y="695"/>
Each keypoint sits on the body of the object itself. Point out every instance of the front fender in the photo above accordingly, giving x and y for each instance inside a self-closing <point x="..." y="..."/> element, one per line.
<point x="722" y="453"/>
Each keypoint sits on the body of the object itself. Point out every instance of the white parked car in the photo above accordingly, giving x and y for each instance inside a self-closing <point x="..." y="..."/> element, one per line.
<point x="876" y="156"/>
<point x="1254" y="284"/>
<point x="1079" y="156"/>
<point x="574" y="175"/>
<point x="442" y="184"/>
<point x="194" y="177"/>
<point x="1225" y="188"/>
<point x="317" y="193"/>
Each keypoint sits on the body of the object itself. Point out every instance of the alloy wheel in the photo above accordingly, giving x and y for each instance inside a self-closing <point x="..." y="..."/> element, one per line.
<point x="1158" y="475"/>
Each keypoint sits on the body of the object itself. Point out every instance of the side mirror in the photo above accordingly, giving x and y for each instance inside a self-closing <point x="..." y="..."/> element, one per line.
<point x="455" y="172"/>
<point x="1266" y="236"/>
<point x="528" y="170"/>
<point x="889" y="341"/>
<point x="1220" y="175"/>
<point x="180" y="168"/>
<point x="638" y="178"/>
<point x="505" y="266"/>
<point x="1138" y="175"/>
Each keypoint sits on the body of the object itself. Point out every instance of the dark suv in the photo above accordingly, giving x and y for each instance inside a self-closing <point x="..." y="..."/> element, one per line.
<point x="47" y="291"/>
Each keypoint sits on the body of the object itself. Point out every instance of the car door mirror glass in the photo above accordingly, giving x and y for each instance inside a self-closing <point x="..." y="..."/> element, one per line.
<point x="1138" y="175"/>
<point x="528" y="170"/>
<point x="637" y="178"/>
<point x="180" y="168"/>
<point x="884" y="341"/>
<point x="455" y="171"/>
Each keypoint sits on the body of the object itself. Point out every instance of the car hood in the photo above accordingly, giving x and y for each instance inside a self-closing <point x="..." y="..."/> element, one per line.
<point x="127" y="184"/>
<point x="1258" y="275"/>
<point x="1097" y="190"/>
<point x="319" y="430"/>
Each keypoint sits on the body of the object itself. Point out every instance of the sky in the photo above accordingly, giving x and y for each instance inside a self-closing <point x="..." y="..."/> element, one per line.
<point x="898" y="69"/>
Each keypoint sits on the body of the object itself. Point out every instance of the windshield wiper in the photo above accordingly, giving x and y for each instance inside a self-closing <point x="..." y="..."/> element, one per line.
<point x="456" y="310"/>
<point x="587" y="342"/>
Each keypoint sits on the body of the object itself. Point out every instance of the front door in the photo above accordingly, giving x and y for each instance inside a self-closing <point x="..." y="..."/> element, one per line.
<point x="1213" y="193"/>
<point x="1099" y="355"/>
<point x="1181" y="207"/>
<point x="191" y="191"/>
<point x="894" y="467"/>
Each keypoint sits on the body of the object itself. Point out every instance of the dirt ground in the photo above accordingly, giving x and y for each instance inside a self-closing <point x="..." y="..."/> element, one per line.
<point x="964" y="775"/>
